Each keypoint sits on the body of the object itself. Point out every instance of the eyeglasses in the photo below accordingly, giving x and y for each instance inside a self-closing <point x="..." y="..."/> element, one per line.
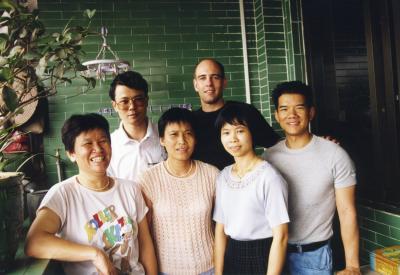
<point x="124" y="103"/>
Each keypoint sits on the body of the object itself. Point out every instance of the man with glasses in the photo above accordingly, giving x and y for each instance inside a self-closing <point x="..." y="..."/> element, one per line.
<point x="209" y="81"/>
<point x="135" y="144"/>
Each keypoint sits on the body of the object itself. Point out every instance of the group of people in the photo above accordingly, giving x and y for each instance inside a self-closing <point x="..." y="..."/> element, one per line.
<point x="159" y="204"/>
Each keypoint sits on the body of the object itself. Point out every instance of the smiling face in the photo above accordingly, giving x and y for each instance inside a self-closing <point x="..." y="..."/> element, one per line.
<point x="131" y="105"/>
<point x="92" y="152"/>
<point x="236" y="139"/>
<point x="178" y="140"/>
<point x="293" y="115"/>
<point x="209" y="83"/>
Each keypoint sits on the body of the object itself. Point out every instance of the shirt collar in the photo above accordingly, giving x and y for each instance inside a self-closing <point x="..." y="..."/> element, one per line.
<point x="150" y="132"/>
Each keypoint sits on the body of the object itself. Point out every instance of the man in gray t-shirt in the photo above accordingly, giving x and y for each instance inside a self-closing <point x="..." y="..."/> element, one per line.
<point x="321" y="178"/>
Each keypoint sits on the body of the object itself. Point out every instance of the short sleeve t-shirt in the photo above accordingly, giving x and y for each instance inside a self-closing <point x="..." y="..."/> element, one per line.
<point x="107" y="220"/>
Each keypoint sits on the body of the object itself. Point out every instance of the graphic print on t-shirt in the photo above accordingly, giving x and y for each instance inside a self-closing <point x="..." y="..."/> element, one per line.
<point x="114" y="234"/>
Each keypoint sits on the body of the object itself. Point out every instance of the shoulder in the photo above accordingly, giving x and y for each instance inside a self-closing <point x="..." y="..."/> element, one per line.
<point x="127" y="186"/>
<point x="225" y="173"/>
<point x="146" y="178"/>
<point x="278" y="147"/>
<point x="207" y="167"/>
<point x="329" y="147"/>
<point x="153" y="130"/>
<point x="64" y="186"/>
<point x="117" y="135"/>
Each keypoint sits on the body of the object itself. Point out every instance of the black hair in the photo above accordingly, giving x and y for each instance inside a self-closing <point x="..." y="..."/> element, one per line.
<point x="131" y="79"/>
<point x="293" y="87"/>
<point x="216" y="62"/>
<point x="236" y="113"/>
<point x="176" y="115"/>
<point x="77" y="124"/>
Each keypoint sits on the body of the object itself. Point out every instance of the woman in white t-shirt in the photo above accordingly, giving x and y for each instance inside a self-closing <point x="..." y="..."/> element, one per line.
<point x="93" y="223"/>
<point x="180" y="194"/>
<point x="251" y="204"/>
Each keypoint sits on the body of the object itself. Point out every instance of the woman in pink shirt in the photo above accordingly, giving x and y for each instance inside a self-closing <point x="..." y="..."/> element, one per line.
<point x="180" y="194"/>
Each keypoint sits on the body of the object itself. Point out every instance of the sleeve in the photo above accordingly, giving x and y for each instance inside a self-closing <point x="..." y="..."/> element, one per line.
<point x="265" y="136"/>
<point x="344" y="172"/>
<point x="276" y="197"/>
<point x="143" y="186"/>
<point x="218" y="213"/>
<point x="141" y="207"/>
<point x="55" y="201"/>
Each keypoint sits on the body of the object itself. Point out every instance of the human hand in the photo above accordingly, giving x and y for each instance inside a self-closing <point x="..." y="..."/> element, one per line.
<point x="103" y="264"/>
<point x="350" y="271"/>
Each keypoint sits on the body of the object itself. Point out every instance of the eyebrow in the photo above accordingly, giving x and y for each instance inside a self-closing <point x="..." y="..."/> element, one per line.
<point x="209" y="75"/>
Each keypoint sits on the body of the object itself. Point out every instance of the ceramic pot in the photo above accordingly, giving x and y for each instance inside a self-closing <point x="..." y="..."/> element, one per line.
<point x="11" y="216"/>
<point x="33" y="201"/>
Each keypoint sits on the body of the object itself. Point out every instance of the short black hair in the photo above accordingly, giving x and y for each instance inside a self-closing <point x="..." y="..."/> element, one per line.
<point x="216" y="62"/>
<point x="80" y="123"/>
<point x="293" y="87"/>
<point x="131" y="79"/>
<point x="176" y="115"/>
<point x="236" y="113"/>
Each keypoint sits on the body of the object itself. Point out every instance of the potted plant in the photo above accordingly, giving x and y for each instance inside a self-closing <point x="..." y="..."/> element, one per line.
<point x="33" y="64"/>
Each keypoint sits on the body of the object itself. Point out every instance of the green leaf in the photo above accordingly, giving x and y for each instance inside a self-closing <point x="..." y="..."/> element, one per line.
<point x="10" y="98"/>
<point x="91" y="81"/>
<point x="15" y="50"/>
<point x="89" y="13"/>
<point x="5" y="74"/>
<point x="7" y="5"/>
<point x="79" y="67"/>
<point x="3" y="61"/>
<point x="31" y="55"/>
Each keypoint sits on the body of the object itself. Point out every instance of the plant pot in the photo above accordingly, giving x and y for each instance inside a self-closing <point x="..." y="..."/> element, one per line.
<point x="33" y="201"/>
<point x="11" y="216"/>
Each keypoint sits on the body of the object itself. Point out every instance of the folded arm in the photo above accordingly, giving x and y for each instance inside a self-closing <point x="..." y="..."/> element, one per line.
<point x="41" y="242"/>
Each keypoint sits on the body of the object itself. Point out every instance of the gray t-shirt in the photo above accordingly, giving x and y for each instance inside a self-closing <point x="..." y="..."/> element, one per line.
<point x="312" y="173"/>
<point x="250" y="207"/>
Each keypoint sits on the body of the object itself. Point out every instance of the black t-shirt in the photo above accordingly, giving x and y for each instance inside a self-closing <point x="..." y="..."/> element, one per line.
<point x="209" y="147"/>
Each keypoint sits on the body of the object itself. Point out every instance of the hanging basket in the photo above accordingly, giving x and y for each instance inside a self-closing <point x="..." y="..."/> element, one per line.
<point x="11" y="216"/>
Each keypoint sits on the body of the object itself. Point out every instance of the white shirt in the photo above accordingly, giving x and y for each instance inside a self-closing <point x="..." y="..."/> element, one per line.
<point x="107" y="220"/>
<point x="250" y="207"/>
<point x="131" y="157"/>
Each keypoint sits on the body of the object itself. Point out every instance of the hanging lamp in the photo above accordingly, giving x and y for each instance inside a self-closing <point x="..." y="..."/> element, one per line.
<point x="102" y="66"/>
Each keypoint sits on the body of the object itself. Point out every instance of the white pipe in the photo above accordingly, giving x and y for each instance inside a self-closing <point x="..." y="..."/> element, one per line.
<point x="245" y="57"/>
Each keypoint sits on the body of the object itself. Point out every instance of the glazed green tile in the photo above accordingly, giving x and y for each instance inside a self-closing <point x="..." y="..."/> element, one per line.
<point x="395" y="233"/>
<point x="181" y="61"/>
<point x="198" y="53"/>
<point x="175" y="86"/>
<point x="180" y="45"/>
<point x="234" y="29"/>
<point x="277" y="68"/>
<point x="164" y="38"/>
<point x="270" y="36"/>
<point x="367" y="234"/>
<point x="366" y="212"/>
<point x="273" y="12"/>
<point x="276" y="60"/>
<point x="144" y="62"/>
<point x="386" y="241"/>
<point x="157" y="85"/>
<point x="375" y="226"/>
<point x="387" y="218"/>
<point x="120" y="31"/>
<point x="276" y="52"/>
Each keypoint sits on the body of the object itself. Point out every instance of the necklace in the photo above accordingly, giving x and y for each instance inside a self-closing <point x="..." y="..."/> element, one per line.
<point x="96" y="189"/>
<point x="172" y="172"/>
<point x="241" y="173"/>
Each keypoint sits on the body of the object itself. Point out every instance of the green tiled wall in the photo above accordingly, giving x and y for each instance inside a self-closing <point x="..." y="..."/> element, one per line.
<point x="163" y="40"/>
<point x="377" y="229"/>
